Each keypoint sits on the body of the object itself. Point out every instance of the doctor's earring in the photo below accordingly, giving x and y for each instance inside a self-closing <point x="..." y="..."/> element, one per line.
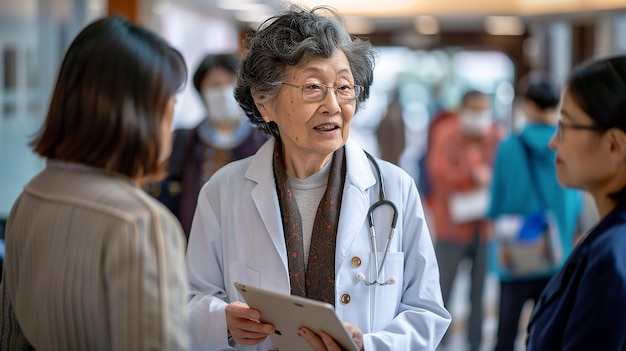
<point x="271" y="127"/>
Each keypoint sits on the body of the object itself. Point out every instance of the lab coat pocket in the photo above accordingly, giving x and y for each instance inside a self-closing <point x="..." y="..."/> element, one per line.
<point x="245" y="275"/>
<point x="387" y="297"/>
<point x="253" y="277"/>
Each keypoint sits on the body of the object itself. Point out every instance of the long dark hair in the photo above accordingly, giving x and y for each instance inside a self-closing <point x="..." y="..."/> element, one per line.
<point x="110" y="97"/>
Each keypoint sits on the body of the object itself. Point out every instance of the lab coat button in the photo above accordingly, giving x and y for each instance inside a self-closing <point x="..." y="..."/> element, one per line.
<point x="356" y="261"/>
<point x="345" y="299"/>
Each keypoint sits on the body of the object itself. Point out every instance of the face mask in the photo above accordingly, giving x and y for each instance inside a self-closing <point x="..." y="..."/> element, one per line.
<point x="222" y="106"/>
<point x="475" y="123"/>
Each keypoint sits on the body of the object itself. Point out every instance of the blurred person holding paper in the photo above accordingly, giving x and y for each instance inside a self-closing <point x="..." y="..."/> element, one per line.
<point x="460" y="166"/>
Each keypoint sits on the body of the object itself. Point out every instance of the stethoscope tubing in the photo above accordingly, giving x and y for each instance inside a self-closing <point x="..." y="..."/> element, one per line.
<point x="382" y="201"/>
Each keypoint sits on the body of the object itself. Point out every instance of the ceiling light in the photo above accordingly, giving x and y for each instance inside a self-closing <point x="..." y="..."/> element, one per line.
<point x="363" y="8"/>
<point x="426" y="25"/>
<point x="504" y="25"/>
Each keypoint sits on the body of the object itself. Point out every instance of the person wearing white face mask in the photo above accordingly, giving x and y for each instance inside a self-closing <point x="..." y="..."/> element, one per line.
<point x="475" y="122"/>
<point x="459" y="165"/>
<point x="223" y="111"/>
<point x="224" y="135"/>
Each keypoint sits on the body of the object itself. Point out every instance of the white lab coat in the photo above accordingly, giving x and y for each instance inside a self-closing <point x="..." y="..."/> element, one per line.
<point x="237" y="235"/>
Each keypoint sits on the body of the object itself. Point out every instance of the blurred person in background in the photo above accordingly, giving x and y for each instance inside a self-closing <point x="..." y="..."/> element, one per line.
<point x="459" y="163"/>
<point x="293" y="218"/>
<point x="390" y="132"/>
<point x="422" y="164"/>
<point x="582" y="307"/>
<point x="224" y="135"/>
<point x="524" y="177"/>
<point x="92" y="261"/>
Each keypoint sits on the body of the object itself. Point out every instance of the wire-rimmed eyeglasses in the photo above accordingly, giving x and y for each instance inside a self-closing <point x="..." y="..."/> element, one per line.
<point x="562" y="126"/>
<point x="316" y="92"/>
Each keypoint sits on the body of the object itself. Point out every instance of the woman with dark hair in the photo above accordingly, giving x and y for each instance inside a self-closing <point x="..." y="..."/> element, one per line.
<point x="293" y="218"/>
<point x="93" y="262"/>
<point x="582" y="307"/>
<point x="524" y="181"/>
<point x="223" y="136"/>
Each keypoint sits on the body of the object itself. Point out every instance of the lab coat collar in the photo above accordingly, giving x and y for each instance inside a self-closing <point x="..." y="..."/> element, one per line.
<point x="260" y="171"/>
<point x="359" y="171"/>
<point x="360" y="176"/>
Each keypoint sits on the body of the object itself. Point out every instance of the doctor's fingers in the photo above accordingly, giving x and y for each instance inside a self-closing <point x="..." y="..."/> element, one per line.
<point x="248" y="332"/>
<point x="246" y="328"/>
<point x="355" y="333"/>
<point x="322" y="342"/>
<point x="244" y="325"/>
<point x="239" y="309"/>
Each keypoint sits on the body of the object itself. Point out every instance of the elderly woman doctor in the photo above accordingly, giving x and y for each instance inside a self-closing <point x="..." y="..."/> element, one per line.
<point x="295" y="217"/>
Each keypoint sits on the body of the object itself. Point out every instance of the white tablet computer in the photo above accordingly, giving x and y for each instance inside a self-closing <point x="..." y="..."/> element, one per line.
<point x="288" y="313"/>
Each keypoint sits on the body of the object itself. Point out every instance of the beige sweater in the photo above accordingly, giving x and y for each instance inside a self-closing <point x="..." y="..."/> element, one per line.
<point x="92" y="263"/>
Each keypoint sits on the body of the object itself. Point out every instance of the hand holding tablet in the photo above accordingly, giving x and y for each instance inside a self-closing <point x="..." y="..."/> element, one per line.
<point x="244" y="326"/>
<point x="289" y="313"/>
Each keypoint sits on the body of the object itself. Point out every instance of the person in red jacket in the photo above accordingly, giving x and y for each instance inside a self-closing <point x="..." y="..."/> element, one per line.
<point x="459" y="165"/>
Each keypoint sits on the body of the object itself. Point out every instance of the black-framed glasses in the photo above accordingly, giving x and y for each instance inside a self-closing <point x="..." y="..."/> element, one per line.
<point x="562" y="126"/>
<point x="316" y="92"/>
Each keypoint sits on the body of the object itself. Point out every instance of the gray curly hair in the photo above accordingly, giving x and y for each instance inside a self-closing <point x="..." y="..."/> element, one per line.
<point x="291" y="39"/>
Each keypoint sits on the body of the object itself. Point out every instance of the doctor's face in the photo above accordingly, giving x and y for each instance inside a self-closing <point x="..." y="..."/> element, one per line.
<point x="313" y="128"/>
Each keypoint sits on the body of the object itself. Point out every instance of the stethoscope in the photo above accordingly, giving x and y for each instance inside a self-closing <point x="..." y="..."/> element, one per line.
<point x="382" y="201"/>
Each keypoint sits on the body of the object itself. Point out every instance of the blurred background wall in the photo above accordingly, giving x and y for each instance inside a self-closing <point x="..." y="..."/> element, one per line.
<point x="430" y="52"/>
